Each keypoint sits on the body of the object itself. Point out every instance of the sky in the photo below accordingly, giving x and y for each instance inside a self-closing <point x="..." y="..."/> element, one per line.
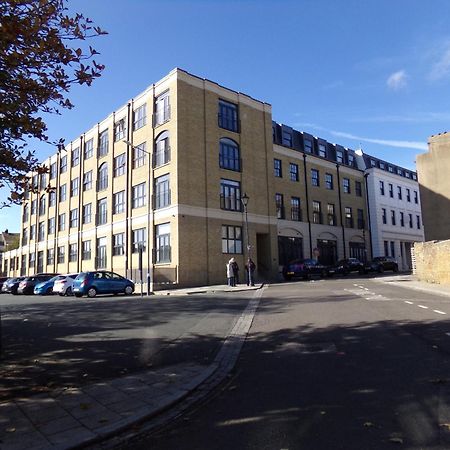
<point x="373" y="74"/>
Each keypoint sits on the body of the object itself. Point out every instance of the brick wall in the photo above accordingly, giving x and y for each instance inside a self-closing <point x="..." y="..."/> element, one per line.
<point x="433" y="261"/>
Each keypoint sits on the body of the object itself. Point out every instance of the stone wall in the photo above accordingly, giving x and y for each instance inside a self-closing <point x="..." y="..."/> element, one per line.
<point x="433" y="261"/>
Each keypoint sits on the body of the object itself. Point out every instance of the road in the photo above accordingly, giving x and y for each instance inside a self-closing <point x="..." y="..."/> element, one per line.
<point x="347" y="363"/>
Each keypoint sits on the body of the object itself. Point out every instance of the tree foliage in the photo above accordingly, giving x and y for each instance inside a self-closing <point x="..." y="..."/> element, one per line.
<point x="43" y="53"/>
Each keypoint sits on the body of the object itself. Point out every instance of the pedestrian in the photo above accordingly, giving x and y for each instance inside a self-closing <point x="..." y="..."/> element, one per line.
<point x="235" y="272"/>
<point x="249" y="269"/>
<point x="230" y="273"/>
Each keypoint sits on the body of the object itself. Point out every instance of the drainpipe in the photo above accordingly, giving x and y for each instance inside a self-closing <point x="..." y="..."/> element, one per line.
<point x="307" y="205"/>
<point x="340" y="209"/>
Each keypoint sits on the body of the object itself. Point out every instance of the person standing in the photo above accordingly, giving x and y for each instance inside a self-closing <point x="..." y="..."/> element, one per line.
<point x="235" y="272"/>
<point x="249" y="269"/>
<point x="230" y="272"/>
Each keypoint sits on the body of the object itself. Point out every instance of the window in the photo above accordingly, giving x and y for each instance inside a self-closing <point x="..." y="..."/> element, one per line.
<point x="308" y="145"/>
<point x="339" y="156"/>
<point x="383" y="215"/>
<point x="139" y="155"/>
<point x="86" y="250"/>
<point x="42" y="205"/>
<point x="393" y="249"/>
<point x="162" y="191"/>
<point x="228" y="116"/>
<point x="118" y="244"/>
<point x="231" y="239"/>
<point x="399" y="171"/>
<point x="416" y="197"/>
<point x="162" y="108"/>
<point x="35" y="182"/>
<point x="50" y="256"/>
<point x="102" y="178"/>
<point x="408" y="195"/>
<point x="331" y="216"/>
<point x="41" y="231"/>
<point x="399" y="192"/>
<point x="351" y="160"/>
<point x="418" y="222"/>
<point x="230" y="195"/>
<point x="51" y="198"/>
<point x="414" y="176"/>
<point x="317" y="212"/>
<point x="295" y="209"/>
<point x="139" y="240"/>
<point x="31" y="260"/>
<point x="277" y="168"/>
<point x="348" y="217"/>
<point x="52" y="171"/>
<point x="315" y="177"/>
<point x="391" y="169"/>
<point x="102" y="211"/>
<point x="162" y="240"/>
<point x="73" y="252"/>
<point x="42" y="181"/>
<point x="229" y="155"/>
<point x="119" y="130"/>
<point x="119" y="165"/>
<point x="87" y="181"/>
<point x="74" y="187"/>
<point x="322" y="151"/>
<point x="279" y="203"/>
<point x="373" y="163"/>
<point x="382" y="187"/>
<point x="119" y="202"/>
<point x="382" y="165"/>
<point x="25" y="213"/>
<point x="140" y="117"/>
<point x="103" y="143"/>
<point x="138" y="195"/>
<point x="62" y="193"/>
<point x="293" y="172"/>
<point x="33" y="232"/>
<point x="391" y="190"/>
<point x="63" y="164"/>
<point x="51" y="225"/>
<point x="402" y="219"/>
<point x="393" y="221"/>
<point x="329" y="181"/>
<point x="407" y="174"/>
<point x="24" y="236"/>
<point x="62" y="222"/>
<point x="358" y="188"/>
<point x="346" y="185"/>
<point x="87" y="213"/>
<point x="162" y="149"/>
<point x="286" y="138"/>
<point x="101" y="259"/>
<point x="75" y="157"/>
<point x="89" y="149"/>
<point x="23" y="264"/>
<point x="410" y="220"/>
<point x="360" y="219"/>
<point x="61" y="254"/>
<point x="73" y="218"/>
<point x="33" y="207"/>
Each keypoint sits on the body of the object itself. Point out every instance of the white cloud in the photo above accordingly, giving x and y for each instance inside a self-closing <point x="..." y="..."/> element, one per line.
<point x="397" y="80"/>
<point x="441" y="68"/>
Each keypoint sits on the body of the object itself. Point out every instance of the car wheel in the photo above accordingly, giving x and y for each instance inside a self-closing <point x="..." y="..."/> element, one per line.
<point x="49" y="291"/>
<point x="128" y="290"/>
<point x="69" y="291"/>
<point x="92" y="292"/>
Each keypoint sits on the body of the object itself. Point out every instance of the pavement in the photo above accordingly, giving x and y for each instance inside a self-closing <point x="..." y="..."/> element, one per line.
<point x="72" y="418"/>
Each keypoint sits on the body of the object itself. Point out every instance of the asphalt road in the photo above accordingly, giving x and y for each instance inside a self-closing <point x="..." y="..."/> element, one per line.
<point x="55" y="342"/>
<point x="330" y="364"/>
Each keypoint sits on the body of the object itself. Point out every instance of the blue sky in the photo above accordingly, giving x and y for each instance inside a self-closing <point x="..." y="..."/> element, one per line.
<point x="355" y="72"/>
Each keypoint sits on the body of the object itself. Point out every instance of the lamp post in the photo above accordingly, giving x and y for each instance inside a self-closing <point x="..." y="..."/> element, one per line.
<point x="244" y="199"/>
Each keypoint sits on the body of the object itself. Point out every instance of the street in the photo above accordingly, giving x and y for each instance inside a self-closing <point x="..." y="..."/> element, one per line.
<point x="350" y="363"/>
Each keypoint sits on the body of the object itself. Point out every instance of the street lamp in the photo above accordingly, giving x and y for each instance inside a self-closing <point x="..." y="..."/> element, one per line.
<point x="244" y="199"/>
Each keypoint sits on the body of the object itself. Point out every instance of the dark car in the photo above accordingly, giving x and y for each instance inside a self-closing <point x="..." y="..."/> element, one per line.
<point x="346" y="266"/>
<point x="101" y="282"/>
<point x="2" y="280"/>
<point x="11" y="285"/>
<point x="304" y="268"/>
<point x="26" y="286"/>
<point x="382" y="263"/>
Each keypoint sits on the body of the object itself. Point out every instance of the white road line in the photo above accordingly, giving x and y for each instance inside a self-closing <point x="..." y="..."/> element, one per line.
<point x="421" y="306"/>
<point x="409" y="303"/>
<point x="439" y="312"/>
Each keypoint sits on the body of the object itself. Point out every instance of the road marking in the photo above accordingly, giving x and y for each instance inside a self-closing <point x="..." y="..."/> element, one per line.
<point x="439" y="312"/>
<point x="423" y="307"/>
<point x="409" y="303"/>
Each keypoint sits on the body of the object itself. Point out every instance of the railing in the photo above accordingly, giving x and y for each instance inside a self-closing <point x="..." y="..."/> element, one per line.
<point x="161" y="157"/>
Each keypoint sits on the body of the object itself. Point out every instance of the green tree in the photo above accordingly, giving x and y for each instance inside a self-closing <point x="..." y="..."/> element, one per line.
<point x="43" y="53"/>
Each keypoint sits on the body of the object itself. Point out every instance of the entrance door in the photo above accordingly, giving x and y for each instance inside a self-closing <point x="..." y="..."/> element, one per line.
<point x="327" y="251"/>
<point x="289" y="248"/>
<point x="358" y="250"/>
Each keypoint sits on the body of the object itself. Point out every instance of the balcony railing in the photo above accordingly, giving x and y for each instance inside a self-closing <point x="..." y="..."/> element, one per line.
<point x="161" y="157"/>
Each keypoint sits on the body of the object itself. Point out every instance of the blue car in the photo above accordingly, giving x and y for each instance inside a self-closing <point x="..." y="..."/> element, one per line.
<point x="46" y="287"/>
<point x="101" y="282"/>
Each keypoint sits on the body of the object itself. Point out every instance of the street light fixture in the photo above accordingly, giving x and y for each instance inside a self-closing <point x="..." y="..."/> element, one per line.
<point x="244" y="199"/>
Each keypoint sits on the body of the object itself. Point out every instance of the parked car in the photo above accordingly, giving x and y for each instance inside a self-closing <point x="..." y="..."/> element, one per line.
<point x="304" y="268"/>
<point x="101" y="282"/>
<point x="2" y="281"/>
<point x="46" y="287"/>
<point x="26" y="286"/>
<point x="382" y="263"/>
<point x="346" y="266"/>
<point x="11" y="285"/>
<point x="63" y="285"/>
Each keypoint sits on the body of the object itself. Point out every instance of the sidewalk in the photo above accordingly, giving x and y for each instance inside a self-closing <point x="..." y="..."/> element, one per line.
<point x="74" y="417"/>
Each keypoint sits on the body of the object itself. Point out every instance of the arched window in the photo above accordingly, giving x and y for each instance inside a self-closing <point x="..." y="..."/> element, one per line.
<point x="102" y="179"/>
<point x="162" y="149"/>
<point x="229" y="155"/>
